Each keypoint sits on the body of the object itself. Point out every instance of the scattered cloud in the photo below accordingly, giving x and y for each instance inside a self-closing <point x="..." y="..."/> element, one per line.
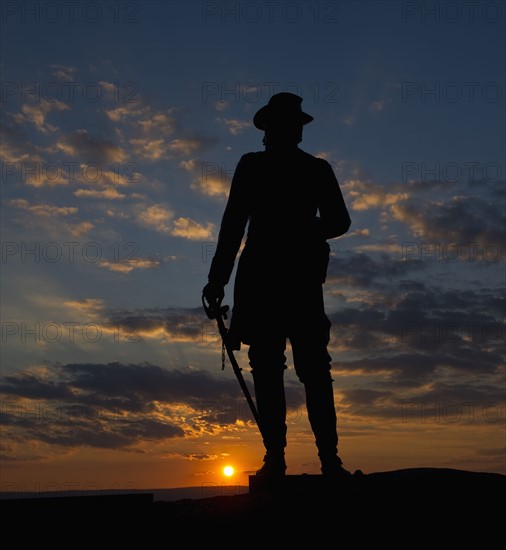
<point x="365" y="196"/>
<point x="236" y="126"/>
<point x="63" y="72"/>
<point x="221" y="105"/>
<point x="191" y="145"/>
<point x="43" y="210"/>
<point x="37" y="113"/>
<point x="209" y="178"/>
<point x="117" y="406"/>
<point x="109" y="193"/>
<point x="91" y="149"/>
<point x="377" y="106"/>
<point x="130" y="265"/>
<point x="358" y="233"/>
<point x="190" y="229"/>
<point x="160" y="218"/>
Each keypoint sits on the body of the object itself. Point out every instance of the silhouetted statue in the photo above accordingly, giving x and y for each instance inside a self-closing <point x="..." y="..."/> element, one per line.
<point x="278" y="290"/>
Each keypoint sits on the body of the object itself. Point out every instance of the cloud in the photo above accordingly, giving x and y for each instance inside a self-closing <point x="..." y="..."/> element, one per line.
<point x="434" y="212"/>
<point x="33" y="387"/>
<point x="124" y="388"/>
<point x="435" y="403"/>
<point x="209" y="178"/>
<point x="221" y="105"/>
<point x="195" y="456"/>
<point x="213" y="185"/>
<point x="358" y="233"/>
<point x="63" y="72"/>
<point x="158" y="123"/>
<point x="88" y="305"/>
<point x="392" y="248"/>
<point x="167" y="324"/>
<point x="130" y="265"/>
<point x="151" y="149"/>
<point x="147" y="122"/>
<point x="377" y="106"/>
<point x="91" y="149"/>
<point x="361" y="269"/>
<point x="117" y="406"/>
<point x="412" y="334"/>
<point x="157" y="217"/>
<point x="160" y="218"/>
<point x="36" y="114"/>
<point x="190" y="229"/>
<point x="159" y="148"/>
<point x="190" y="165"/>
<point x="123" y="113"/>
<point x="365" y="195"/>
<point x="191" y="145"/>
<point x="236" y="126"/>
<point x="81" y="228"/>
<point x="33" y="165"/>
<point x="17" y="150"/>
<point x="55" y="220"/>
<point x="413" y="369"/>
<point x="43" y="210"/>
<point x="154" y="134"/>
<point x="461" y="219"/>
<point x="109" y="193"/>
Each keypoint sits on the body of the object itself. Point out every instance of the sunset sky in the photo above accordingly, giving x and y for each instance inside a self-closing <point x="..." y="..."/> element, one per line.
<point x="122" y="123"/>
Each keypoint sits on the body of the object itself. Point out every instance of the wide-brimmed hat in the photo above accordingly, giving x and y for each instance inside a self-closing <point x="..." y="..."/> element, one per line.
<point x="282" y="107"/>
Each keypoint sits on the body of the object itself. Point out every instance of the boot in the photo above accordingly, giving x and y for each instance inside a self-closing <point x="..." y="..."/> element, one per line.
<point x="274" y="465"/>
<point x="271" y="407"/>
<point x="332" y="467"/>
<point x="322" y="417"/>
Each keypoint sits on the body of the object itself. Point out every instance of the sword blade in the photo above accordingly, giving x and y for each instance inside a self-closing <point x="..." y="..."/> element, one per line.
<point x="237" y="370"/>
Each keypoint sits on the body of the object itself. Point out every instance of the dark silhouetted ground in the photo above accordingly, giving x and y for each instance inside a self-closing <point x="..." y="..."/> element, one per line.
<point x="424" y="503"/>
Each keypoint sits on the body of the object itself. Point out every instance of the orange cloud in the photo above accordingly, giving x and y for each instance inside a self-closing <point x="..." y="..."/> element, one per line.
<point x="108" y="193"/>
<point x="156" y="217"/>
<point x="190" y="229"/>
<point x="127" y="266"/>
<point x="45" y="210"/>
<point x="36" y="114"/>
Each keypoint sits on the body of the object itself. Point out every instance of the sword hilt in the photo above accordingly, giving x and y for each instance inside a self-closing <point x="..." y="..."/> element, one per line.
<point x="213" y="311"/>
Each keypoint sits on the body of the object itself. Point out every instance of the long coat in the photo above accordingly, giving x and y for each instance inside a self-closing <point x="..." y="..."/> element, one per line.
<point x="292" y="204"/>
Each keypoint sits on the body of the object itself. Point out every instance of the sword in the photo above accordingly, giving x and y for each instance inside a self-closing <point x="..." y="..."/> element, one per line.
<point x="219" y="313"/>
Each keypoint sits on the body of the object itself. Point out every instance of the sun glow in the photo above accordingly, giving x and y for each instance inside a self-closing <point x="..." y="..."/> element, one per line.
<point x="228" y="471"/>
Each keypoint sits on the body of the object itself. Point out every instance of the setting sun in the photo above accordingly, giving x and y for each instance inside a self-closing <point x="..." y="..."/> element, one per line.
<point x="228" y="471"/>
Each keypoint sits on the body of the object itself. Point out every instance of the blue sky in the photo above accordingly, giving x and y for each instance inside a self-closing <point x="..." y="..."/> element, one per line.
<point x="150" y="104"/>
